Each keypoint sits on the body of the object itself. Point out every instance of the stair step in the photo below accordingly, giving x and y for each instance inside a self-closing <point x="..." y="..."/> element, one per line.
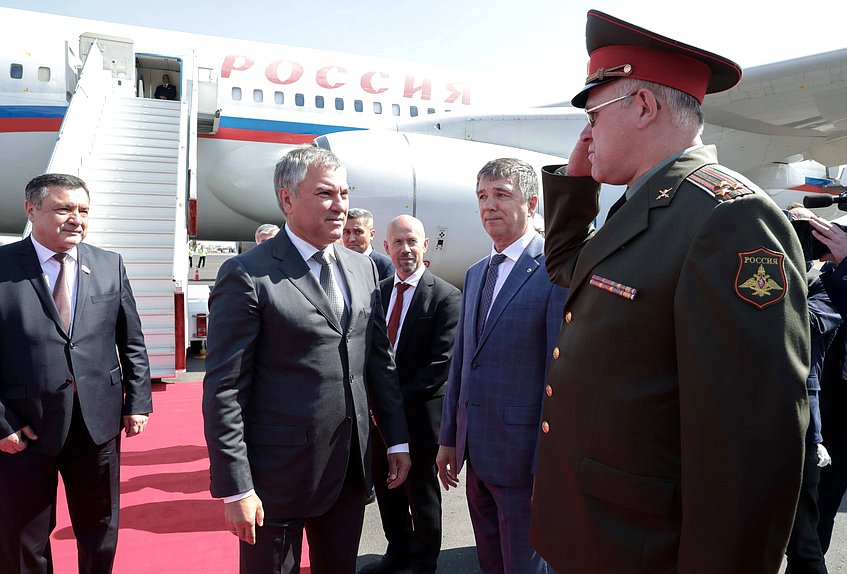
<point x="129" y="176"/>
<point x="130" y="165"/>
<point x="104" y="141"/>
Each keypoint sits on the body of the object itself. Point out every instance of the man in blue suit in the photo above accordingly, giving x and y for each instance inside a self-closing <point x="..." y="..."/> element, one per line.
<point x="509" y="322"/>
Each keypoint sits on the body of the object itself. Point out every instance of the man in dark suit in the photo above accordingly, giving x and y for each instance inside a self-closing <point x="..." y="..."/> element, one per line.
<point x="676" y="412"/>
<point x="297" y="350"/>
<point x="165" y="91"/>
<point x="358" y="235"/>
<point x="73" y="372"/>
<point x="422" y="312"/>
<point x="510" y="317"/>
<point x="833" y="381"/>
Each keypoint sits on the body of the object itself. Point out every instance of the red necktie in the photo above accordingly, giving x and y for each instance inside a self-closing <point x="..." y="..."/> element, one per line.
<point x="396" y="311"/>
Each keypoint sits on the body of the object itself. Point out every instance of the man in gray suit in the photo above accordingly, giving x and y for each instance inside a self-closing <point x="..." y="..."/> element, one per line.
<point x="510" y="318"/>
<point x="73" y="372"/>
<point x="358" y="235"/>
<point x="297" y="350"/>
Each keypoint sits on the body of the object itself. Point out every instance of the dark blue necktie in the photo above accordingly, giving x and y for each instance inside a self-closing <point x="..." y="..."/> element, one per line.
<point x="488" y="291"/>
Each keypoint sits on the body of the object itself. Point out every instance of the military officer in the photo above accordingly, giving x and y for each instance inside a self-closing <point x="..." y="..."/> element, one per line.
<point x="673" y="427"/>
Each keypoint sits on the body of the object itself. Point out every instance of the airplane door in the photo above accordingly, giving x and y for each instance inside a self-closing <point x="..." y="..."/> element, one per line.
<point x="208" y="113"/>
<point x="117" y="57"/>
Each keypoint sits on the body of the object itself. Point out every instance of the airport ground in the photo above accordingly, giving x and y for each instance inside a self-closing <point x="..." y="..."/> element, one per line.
<point x="458" y="548"/>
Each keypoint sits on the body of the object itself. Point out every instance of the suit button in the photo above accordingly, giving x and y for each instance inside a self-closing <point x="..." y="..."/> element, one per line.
<point x="545" y="426"/>
<point x="549" y="390"/>
<point x="474" y="366"/>
<point x="69" y="381"/>
<point x="72" y="346"/>
<point x="556" y="353"/>
<point x="568" y="317"/>
<point x="347" y="420"/>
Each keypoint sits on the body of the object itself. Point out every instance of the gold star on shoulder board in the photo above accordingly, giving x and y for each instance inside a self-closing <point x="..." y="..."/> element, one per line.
<point x="664" y="193"/>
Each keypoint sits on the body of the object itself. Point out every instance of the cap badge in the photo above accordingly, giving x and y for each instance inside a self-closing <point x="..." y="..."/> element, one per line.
<point x="612" y="72"/>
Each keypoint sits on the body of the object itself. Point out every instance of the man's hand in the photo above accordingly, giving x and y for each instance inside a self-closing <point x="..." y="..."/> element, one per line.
<point x="832" y="236"/>
<point x="446" y="462"/>
<point x="243" y="516"/>
<point x="578" y="163"/>
<point x="134" y="424"/>
<point x="15" y="442"/>
<point x="398" y="468"/>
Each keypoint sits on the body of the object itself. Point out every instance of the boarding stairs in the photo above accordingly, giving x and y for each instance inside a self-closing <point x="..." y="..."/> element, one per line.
<point x="133" y="174"/>
<point x="133" y="153"/>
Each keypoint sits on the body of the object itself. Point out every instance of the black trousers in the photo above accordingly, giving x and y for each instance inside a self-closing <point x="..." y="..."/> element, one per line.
<point x="411" y="514"/>
<point x="804" y="552"/>
<point x="91" y="474"/>
<point x="833" y="484"/>
<point x="333" y="536"/>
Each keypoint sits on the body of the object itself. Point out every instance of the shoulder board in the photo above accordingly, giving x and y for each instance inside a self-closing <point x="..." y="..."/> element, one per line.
<point x="719" y="182"/>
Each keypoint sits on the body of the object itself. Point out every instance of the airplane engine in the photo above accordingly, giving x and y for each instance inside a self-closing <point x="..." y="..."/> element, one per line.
<point x="429" y="177"/>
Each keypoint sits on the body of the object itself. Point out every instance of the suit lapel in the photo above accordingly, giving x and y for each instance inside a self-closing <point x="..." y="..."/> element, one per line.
<point x="32" y="268"/>
<point x="421" y="296"/>
<point x="526" y="265"/>
<point x="297" y="271"/>
<point x="360" y="295"/>
<point x="473" y="287"/>
<point x="83" y="281"/>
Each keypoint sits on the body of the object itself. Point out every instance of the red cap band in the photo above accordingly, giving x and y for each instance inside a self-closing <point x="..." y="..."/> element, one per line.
<point x="662" y="67"/>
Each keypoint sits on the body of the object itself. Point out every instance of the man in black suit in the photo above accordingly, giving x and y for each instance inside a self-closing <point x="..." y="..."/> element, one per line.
<point x="422" y="312"/>
<point x="166" y="91"/>
<point x="73" y="372"/>
<point x="358" y="234"/>
<point x="297" y="351"/>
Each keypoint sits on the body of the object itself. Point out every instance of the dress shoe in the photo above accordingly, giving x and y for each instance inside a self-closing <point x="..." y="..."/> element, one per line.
<point x="386" y="565"/>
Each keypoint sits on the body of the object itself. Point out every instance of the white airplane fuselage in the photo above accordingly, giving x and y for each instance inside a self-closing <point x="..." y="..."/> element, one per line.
<point x="386" y="120"/>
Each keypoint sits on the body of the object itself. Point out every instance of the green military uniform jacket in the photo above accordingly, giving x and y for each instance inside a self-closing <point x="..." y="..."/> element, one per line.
<point x="673" y="429"/>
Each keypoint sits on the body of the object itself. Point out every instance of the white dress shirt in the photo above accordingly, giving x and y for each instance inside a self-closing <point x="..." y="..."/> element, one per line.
<point x="512" y="253"/>
<point x="412" y="281"/>
<point x="51" y="268"/>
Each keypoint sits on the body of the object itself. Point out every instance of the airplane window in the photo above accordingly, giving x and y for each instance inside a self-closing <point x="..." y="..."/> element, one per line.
<point x="430" y="110"/>
<point x="258" y="96"/>
<point x="413" y="111"/>
<point x="357" y="105"/>
<point x="299" y="100"/>
<point x="319" y="102"/>
<point x="395" y="109"/>
<point x="339" y="104"/>
<point x="236" y="94"/>
<point x="16" y="71"/>
<point x="43" y="74"/>
<point x="377" y="108"/>
<point x="279" y="98"/>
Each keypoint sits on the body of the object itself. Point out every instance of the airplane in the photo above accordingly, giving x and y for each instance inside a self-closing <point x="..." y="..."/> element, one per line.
<point x="77" y="97"/>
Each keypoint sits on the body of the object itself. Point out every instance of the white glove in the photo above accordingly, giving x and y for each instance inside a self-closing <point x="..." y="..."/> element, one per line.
<point x="823" y="456"/>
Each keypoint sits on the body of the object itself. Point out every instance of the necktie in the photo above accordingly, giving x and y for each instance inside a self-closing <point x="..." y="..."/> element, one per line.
<point x="616" y="206"/>
<point x="488" y="291"/>
<point x="396" y="311"/>
<point x="61" y="292"/>
<point x="333" y="293"/>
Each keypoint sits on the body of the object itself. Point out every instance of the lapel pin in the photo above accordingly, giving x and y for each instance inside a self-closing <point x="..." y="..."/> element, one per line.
<point x="85" y="269"/>
<point x="529" y="269"/>
<point x="664" y="193"/>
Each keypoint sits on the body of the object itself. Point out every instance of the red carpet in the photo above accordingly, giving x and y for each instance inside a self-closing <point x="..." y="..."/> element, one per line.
<point x="169" y="522"/>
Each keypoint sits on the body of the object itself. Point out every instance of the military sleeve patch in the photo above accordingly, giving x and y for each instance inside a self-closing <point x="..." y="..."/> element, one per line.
<point x="761" y="277"/>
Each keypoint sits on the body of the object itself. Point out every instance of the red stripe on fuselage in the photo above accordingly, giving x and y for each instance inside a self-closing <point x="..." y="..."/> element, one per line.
<point x="260" y="136"/>
<point x="30" y="124"/>
<point x="815" y="189"/>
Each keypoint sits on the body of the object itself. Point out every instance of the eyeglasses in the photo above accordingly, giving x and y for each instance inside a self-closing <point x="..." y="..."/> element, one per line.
<point x="592" y="112"/>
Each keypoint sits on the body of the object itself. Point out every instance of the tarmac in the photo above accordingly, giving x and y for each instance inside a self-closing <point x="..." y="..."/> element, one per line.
<point x="458" y="554"/>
